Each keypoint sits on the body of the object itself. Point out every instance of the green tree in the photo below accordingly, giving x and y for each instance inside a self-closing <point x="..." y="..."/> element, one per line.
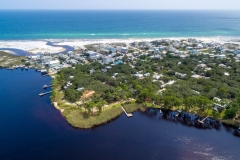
<point x="89" y="106"/>
<point x="71" y="95"/>
<point x="222" y="92"/>
<point x="230" y="113"/>
<point x="203" y="102"/>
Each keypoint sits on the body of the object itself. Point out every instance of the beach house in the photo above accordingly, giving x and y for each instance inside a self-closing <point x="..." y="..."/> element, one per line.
<point x="46" y="59"/>
<point x="222" y="56"/>
<point x="107" y="60"/>
<point x="54" y="63"/>
<point x="180" y="75"/>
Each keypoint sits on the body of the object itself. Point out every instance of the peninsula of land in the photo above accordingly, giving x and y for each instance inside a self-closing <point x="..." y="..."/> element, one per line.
<point x="99" y="79"/>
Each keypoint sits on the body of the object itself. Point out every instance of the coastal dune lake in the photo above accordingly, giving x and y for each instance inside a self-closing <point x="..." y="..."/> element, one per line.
<point x="31" y="128"/>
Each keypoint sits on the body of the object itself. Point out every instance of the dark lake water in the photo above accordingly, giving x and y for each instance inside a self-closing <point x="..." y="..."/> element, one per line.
<point x="32" y="129"/>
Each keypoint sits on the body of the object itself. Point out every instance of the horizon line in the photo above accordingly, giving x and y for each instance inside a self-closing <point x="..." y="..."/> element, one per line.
<point x="41" y="9"/>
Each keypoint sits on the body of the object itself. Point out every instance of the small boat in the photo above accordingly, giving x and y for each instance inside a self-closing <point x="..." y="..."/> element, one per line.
<point x="45" y="86"/>
<point x="43" y="71"/>
<point x="37" y="69"/>
<point x="178" y="112"/>
<point x="26" y="68"/>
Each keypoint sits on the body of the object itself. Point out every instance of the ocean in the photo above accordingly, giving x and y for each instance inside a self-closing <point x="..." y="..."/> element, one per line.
<point x="97" y="24"/>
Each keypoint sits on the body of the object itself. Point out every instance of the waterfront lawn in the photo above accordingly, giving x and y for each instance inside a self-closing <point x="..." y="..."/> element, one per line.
<point x="82" y="119"/>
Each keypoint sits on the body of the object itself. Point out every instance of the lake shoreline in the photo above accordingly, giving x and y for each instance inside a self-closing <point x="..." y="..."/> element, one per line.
<point x="141" y="107"/>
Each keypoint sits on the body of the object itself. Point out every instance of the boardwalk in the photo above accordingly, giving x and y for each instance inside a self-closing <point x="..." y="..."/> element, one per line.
<point x="127" y="114"/>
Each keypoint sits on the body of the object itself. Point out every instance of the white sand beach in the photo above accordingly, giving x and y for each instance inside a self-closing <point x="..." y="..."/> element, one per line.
<point x="31" y="46"/>
<point x="82" y="42"/>
<point x="35" y="46"/>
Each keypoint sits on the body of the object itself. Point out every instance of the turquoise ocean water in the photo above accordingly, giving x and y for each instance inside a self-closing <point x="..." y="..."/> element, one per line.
<point x="116" y="24"/>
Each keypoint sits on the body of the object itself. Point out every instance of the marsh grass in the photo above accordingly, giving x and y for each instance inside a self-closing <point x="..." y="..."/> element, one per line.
<point x="132" y="107"/>
<point x="81" y="119"/>
<point x="8" y="60"/>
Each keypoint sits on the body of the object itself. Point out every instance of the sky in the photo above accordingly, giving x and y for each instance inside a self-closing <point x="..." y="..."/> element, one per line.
<point x="122" y="4"/>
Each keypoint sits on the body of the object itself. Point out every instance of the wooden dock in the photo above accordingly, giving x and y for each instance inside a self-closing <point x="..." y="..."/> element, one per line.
<point x="47" y="86"/>
<point x="127" y="114"/>
<point x="42" y="94"/>
<point x="202" y="121"/>
<point x="179" y="111"/>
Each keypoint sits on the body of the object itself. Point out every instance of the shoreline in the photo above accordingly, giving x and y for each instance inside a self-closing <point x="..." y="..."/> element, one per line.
<point x="140" y="107"/>
<point x="90" y="38"/>
<point x="83" y="42"/>
<point x="41" y="45"/>
<point x="130" y="109"/>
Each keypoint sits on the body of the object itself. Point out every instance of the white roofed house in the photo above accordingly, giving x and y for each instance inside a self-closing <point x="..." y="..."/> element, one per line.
<point x="191" y="40"/>
<point x="180" y="75"/>
<point x="109" y="48"/>
<point x="222" y="56"/>
<point x="47" y="54"/>
<point x="156" y="50"/>
<point x="46" y="59"/>
<point x="72" y="61"/>
<point x="199" y="46"/>
<point x="171" y="49"/>
<point x="222" y="65"/>
<point x="211" y="44"/>
<point x="204" y="45"/>
<point x="34" y="57"/>
<point x="147" y="74"/>
<point x="91" y="71"/>
<point x="238" y="56"/>
<point x="54" y="63"/>
<point x="189" y="48"/>
<point x="40" y="54"/>
<point x="162" y="48"/>
<point x="118" y="48"/>
<point x="196" y="76"/>
<point x="218" y="104"/>
<point x="138" y="75"/>
<point x="124" y="50"/>
<point x="107" y="60"/>
<point x="179" y="52"/>
<point x="93" y="55"/>
<point x="194" y="52"/>
<point x="63" y="56"/>
<point x="129" y="55"/>
<point x="201" y="66"/>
